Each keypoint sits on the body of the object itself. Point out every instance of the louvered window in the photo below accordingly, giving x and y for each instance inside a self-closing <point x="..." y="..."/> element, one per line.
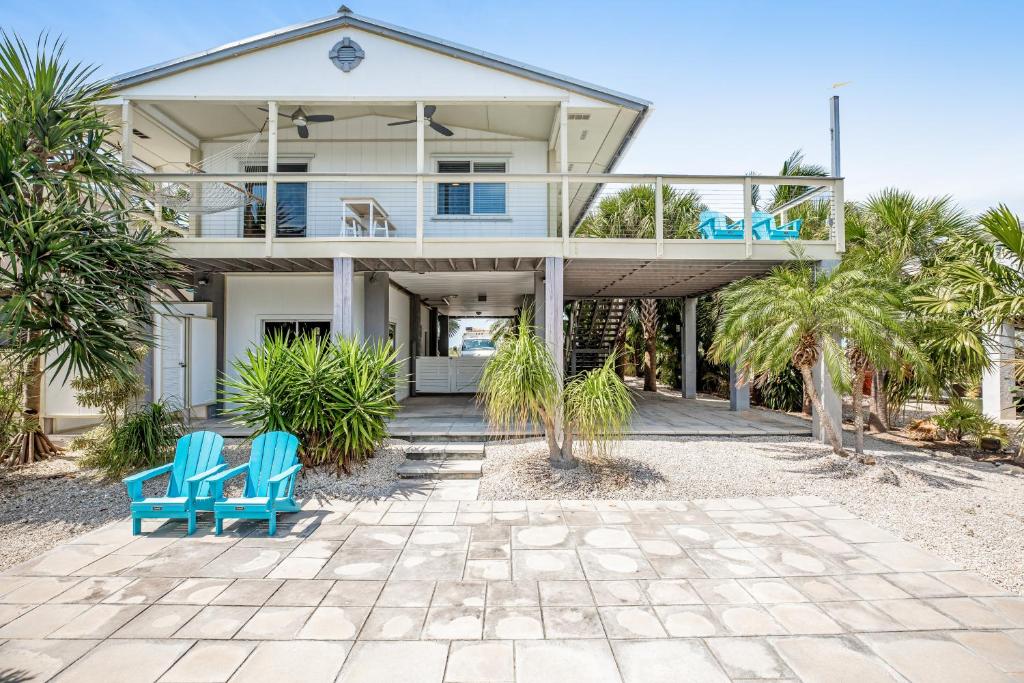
<point x="472" y="198"/>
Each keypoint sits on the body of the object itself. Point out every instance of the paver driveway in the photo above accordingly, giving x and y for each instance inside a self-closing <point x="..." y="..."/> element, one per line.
<point x="440" y="589"/>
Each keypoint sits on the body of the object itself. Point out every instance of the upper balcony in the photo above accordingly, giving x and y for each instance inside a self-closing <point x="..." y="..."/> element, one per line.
<point x="459" y="179"/>
<point x="493" y="214"/>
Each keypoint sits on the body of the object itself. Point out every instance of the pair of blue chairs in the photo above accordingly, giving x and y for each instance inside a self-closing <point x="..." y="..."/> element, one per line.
<point x="714" y="226"/>
<point x="198" y="474"/>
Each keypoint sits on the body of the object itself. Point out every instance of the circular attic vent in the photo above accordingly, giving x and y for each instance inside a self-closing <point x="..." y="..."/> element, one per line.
<point x="346" y="54"/>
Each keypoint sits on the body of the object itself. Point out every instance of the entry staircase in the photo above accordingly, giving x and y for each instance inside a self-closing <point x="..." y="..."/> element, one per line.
<point x="593" y="326"/>
<point x="443" y="461"/>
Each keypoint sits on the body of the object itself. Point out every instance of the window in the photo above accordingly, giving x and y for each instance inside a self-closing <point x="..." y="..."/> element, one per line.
<point x="290" y="329"/>
<point x="474" y="198"/>
<point x="291" y="203"/>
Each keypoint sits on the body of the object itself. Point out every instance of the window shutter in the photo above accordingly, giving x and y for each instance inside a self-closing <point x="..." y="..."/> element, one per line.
<point x="453" y="167"/>
<point x="489" y="167"/>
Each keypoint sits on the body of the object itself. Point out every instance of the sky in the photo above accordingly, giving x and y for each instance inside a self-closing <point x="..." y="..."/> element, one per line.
<point x="933" y="104"/>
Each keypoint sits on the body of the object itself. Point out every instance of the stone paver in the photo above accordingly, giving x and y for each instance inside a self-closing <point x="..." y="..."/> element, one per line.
<point x="438" y="586"/>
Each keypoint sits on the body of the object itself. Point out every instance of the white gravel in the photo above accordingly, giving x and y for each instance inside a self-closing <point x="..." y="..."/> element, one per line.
<point x="968" y="512"/>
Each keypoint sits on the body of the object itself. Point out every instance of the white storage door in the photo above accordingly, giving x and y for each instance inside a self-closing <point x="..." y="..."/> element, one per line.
<point x="432" y="375"/>
<point x="171" y="342"/>
<point x="202" y="361"/>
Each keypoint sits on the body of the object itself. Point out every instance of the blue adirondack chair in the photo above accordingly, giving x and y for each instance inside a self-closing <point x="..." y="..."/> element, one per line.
<point x="269" y="484"/>
<point x="764" y="228"/>
<point x="713" y="226"/>
<point x="197" y="456"/>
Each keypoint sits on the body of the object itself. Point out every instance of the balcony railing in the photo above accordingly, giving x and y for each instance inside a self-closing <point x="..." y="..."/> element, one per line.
<point x="409" y="207"/>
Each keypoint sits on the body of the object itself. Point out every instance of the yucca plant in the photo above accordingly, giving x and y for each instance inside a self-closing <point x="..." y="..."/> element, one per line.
<point x="520" y="385"/>
<point x="336" y="396"/>
<point x="145" y="438"/>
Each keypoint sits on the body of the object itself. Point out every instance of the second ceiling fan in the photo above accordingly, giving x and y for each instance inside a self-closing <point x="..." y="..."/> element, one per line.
<point x="428" y="113"/>
<point x="300" y="118"/>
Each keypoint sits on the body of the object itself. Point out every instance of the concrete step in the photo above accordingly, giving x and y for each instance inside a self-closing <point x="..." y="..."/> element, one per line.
<point x="441" y="469"/>
<point x="445" y="451"/>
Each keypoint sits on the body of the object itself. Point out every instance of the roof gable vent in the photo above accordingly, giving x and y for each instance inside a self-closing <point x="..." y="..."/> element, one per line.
<point x="346" y="54"/>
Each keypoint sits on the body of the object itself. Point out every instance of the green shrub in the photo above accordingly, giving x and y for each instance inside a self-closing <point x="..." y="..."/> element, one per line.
<point x="782" y="391"/>
<point x="145" y="438"/>
<point x="962" y="418"/>
<point x="12" y="399"/>
<point x="336" y="396"/>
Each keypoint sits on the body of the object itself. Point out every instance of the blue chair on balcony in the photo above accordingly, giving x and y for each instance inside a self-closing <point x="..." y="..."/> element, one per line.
<point x="197" y="456"/>
<point x="269" y="483"/>
<point x="714" y="226"/>
<point x="763" y="225"/>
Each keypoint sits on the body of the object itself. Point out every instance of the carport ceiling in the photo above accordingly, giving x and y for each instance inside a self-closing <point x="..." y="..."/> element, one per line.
<point x="594" y="278"/>
<point x="460" y="293"/>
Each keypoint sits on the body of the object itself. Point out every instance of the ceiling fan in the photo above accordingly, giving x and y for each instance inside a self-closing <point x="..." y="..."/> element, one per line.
<point x="428" y="112"/>
<point x="300" y="118"/>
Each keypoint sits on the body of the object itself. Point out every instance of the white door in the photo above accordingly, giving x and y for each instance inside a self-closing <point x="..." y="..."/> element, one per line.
<point x="202" y="361"/>
<point x="172" y="362"/>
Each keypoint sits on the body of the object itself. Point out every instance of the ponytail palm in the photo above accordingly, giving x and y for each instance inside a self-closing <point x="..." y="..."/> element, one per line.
<point x="521" y="384"/>
<point x="797" y="314"/>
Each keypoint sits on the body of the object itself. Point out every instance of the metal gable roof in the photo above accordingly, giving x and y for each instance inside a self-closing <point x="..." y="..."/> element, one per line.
<point x="344" y="18"/>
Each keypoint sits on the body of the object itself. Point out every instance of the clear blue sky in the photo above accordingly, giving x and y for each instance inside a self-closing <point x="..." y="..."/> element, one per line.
<point x="935" y="104"/>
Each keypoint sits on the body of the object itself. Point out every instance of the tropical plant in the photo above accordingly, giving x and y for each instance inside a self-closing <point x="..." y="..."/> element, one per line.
<point x="112" y="393"/>
<point x="963" y="417"/>
<point x="521" y="385"/>
<point x="798" y="314"/>
<point x="78" y="280"/>
<point x="336" y="396"/>
<point x="12" y="396"/>
<point x="647" y="311"/>
<point x="598" y="408"/>
<point x="781" y="391"/>
<point x="145" y="438"/>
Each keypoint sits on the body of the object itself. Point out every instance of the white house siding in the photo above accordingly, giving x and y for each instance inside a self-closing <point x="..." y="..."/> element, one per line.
<point x="368" y="145"/>
<point x="398" y="314"/>
<point x="390" y="67"/>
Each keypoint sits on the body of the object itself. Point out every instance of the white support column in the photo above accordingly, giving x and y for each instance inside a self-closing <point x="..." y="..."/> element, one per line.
<point x="553" y="303"/>
<point x="997" y="382"/>
<point x="831" y="401"/>
<point x="376" y="308"/>
<point x="420" y="169"/>
<point x="748" y="215"/>
<point x="342" y="319"/>
<point x="659" y="215"/>
<point x="739" y="393"/>
<point x="538" y="303"/>
<point x="270" y="228"/>
<point x="563" y="168"/>
<point x="688" y="345"/>
<point x="127" y="136"/>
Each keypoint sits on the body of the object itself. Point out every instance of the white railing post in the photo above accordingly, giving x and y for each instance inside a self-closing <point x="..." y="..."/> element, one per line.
<point x="839" y="208"/>
<point x="421" y="130"/>
<point x="126" y="133"/>
<point x="563" y="167"/>
<point x="659" y="216"/>
<point x="270" y="207"/>
<point x="748" y="215"/>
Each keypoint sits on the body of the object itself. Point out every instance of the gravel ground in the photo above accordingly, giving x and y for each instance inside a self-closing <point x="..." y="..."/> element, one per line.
<point x="49" y="502"/>
<point x="968" y="512"/>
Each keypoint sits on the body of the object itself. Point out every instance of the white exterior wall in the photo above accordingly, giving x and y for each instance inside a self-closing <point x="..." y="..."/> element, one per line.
<point x="398" y="313"/>
<point x="392" y="150"/>
<point x="391" y="67"/>
<point x="251" y="299"/>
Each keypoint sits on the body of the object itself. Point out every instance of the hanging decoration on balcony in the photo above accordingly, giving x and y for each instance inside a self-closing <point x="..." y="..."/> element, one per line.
<point x="209" y="197"/>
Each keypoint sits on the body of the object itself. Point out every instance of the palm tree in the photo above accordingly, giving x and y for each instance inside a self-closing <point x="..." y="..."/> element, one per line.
<point x="648" y="314"/>
<point x="77" y="276"/>
<point x="797" y="314"/>
<point x="909" y="241"/>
